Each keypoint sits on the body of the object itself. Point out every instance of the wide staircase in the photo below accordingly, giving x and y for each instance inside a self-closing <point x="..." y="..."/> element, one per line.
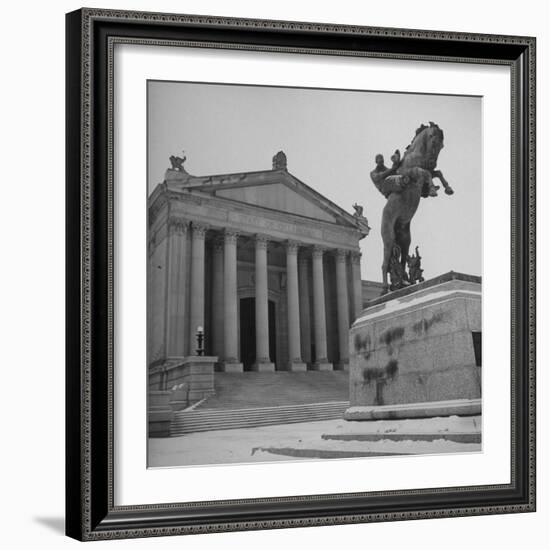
<point x="254" y="399"/>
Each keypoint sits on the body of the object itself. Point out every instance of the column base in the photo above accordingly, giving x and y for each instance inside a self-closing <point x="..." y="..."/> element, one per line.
<point x="296" y="366"/>
<point x="342" y="366"/>
<point x="263" y="366"/>
<point x="228" y="366"/>
<point x="322" y="365"/>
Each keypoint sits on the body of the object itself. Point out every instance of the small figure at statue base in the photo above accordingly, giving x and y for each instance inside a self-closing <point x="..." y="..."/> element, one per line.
<point x="415" y="271"/>
<point x="398" y="275"/>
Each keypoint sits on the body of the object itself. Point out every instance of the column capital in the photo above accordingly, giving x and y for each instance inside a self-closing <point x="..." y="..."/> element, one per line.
<point x="199" y="229"/>
<point x="230" y="236"/>
<point x="355" y="257"/>
<point x="292" y="246"/>
<point x="261" y="241"/>
<point x="217" y="243"/>
<point x="177" y="225"/>
<point x="341" y="255"/>
<point x="318" y="251"/>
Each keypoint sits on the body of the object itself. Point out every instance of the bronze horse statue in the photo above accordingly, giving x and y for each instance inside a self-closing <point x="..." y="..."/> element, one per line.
<point x="409" y="179"/>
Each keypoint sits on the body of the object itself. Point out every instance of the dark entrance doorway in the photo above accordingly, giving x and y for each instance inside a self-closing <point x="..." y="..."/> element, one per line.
<point x="248" y="332"/>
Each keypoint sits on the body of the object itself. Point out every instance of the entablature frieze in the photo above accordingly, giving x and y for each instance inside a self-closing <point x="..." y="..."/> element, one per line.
<point x="222" y="215"/>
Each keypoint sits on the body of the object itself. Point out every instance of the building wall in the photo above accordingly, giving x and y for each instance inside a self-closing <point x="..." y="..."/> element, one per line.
<point x="156" y="289"/>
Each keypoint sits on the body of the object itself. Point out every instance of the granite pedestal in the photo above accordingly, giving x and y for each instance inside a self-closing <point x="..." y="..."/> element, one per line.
<point x="416" y="352"/>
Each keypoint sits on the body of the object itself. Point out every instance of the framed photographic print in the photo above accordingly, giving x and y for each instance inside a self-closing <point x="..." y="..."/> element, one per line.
<point x="300" y="274"/>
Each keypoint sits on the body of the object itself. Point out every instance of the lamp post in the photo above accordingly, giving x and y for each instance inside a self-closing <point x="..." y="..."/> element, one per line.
<point x="200" y="341"/>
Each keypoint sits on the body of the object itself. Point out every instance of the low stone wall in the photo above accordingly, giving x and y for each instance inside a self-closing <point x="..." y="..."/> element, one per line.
<point x="196" y="373"/>
<point x="182" y="381"/>
<point x="159" y="413"/>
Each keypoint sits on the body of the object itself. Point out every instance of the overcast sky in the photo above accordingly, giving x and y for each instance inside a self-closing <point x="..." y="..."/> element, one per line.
<point x="330" y="138"/>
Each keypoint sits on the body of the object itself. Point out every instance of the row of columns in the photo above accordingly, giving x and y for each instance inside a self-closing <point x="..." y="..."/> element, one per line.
<point x="224" y="289"/>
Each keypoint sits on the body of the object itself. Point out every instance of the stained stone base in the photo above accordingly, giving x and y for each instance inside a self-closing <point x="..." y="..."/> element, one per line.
<point x="263" y="367"/>
<point x="296" y="367"/>
<point x="322" y="366"/>
<point x="230" y="367"/>
<point x="414" y="348"/>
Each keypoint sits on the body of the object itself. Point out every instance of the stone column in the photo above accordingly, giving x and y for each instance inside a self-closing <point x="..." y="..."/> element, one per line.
<point x="230" y="361"/>
<point x="305" y="321"/>
<point x="217" y="297"/>
<point x="319" y="315"/>
<point x="263" y="362"/>
<point x="357" y="286"/>
<point x="196" y="315"/>
<point x="295" y="362"/>
<point x="343" y="309"/>
<point x="175" y="289"/>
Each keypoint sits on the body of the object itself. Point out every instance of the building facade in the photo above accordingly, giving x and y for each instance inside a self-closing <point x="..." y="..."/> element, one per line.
<point x="267" y="266"/>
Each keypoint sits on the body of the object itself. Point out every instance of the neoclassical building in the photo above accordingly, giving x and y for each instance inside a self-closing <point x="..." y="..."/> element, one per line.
<point x="266" y="265"/>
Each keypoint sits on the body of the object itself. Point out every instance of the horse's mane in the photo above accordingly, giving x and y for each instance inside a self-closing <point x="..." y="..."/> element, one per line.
<point x="423" y="127"/>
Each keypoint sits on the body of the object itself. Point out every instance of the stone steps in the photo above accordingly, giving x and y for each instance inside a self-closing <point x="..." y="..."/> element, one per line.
<point x="199" y="420"/>
<point x="263" y="389"/>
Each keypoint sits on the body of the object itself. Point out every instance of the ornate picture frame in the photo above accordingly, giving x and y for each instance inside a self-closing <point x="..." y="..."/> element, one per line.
<point x="91" y="511"/>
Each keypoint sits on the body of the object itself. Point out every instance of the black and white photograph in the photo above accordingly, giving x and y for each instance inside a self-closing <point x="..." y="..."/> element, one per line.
<point x="314" y="276"/>
<point x="270" y="275"/>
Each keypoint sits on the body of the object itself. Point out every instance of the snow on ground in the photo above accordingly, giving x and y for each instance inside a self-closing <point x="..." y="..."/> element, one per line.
<point x="413" y="425"/>
<point x="250" y="444"/>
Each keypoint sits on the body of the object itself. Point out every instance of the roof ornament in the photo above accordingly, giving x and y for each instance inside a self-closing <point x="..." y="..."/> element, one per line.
<point x="362" y="222"/>
<point x="177" y="162"/>
<point x="279" y="161"/>
<point x="176" y="174"/>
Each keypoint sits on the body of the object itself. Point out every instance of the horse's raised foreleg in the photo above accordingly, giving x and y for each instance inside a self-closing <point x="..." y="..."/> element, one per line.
<point x="439" y="175"/>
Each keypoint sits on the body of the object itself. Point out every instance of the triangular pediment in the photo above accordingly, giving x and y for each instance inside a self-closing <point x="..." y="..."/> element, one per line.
<point x="278" y="196"/>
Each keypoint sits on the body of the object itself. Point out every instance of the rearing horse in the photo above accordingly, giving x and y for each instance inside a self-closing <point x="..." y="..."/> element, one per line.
<point x="418" y="167"/>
